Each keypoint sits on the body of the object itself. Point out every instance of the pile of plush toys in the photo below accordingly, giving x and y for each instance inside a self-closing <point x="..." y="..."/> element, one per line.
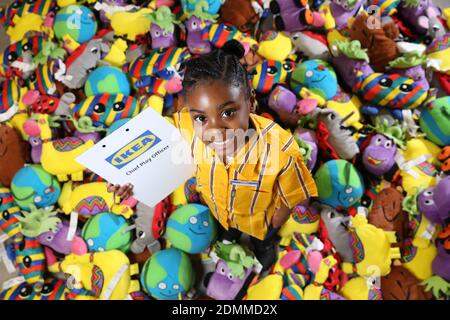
<point x="364" y="86"/>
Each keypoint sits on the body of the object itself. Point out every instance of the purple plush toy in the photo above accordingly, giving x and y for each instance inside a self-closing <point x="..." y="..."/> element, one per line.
<point x="379" y="156"/>
<point x="162" y="29"/>
<point x="59" y="243"/>
<point x="343" y="10"/>
<point x="306" y="136"/>
<point x="223" y="285"/>
<point x="294" y="15"/>
<point x="349" y="58"/>
<point x="415" y="12"/>
<point x="441" y="264"/>
<point x="434" y="202"/>
<point x="194" y="39"/>
<point x="410" y="65"/>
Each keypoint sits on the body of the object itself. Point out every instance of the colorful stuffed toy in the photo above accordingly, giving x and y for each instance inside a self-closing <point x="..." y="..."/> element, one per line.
<point x="76" y="23"/>
<point x="303" y="219"/>
<point x="100" y="275"/>
<point x="311" y="45"/>
<point x="410" y="65"/>
<point x="167" y="275"/>
<point x="435" y="121"/>
<point x="107" y="79"/>
<point x="378" y="40"/>
<point x="58" y="156"/>
<point x="89" y="199"/>
<point x="416" y="12"/>
<point x="379" y="156"/>
<point x="150" y="225"/>
<point x="290" y="15"/>
<point x="343" y="11"/>
<point x="269" y="73"/>
<point x="33" y="185"/>
<point x="433" y="202"/>
<point x="162" y="28"/>
<point x="191" y="228"/>
<point x="400" y="284"/>
<point x="107" y="231"/>
<point x="272" y="39"/>
<point x="51" y="231"/>
<point x="339" y="184"/>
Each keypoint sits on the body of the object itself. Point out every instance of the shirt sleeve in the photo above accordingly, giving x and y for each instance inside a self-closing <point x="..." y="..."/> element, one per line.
<point x="182" y="120"/>
<point x="294" y="182"/>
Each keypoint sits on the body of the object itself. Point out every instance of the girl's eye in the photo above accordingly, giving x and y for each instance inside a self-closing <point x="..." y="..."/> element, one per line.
<point x="200" y="119"/>
<point x="228" y="113"/>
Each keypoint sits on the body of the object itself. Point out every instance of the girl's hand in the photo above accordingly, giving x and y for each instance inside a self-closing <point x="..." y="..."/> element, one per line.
<point x="123" y="191"/>
<point x="281" y="216"/>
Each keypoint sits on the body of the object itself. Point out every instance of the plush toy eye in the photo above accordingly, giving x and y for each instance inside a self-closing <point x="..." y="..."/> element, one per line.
<point x="429" y="202"/>
<point x="26" y="47"/>
<point x="16" y="4"/>
<point x="205" y="223"/>
<point x="37" y="199"/>
<point x="5" y="215"/>
<point x="287" y="67"/>
<point x="351" y="199"/>
<point x="118" y="106"/>
<point x="32" y="77"/>
<point x="345" y="5"/>
<point x="25" y="291"/>
<point x="295" y="37"/>
<point x="228" y="28"/>
<point x="99" y="108"/>
<point x="49" y="238"/>
<point x="406" y="87"/>
<point x="162" y="285"/>
<point x="193" y="220"/>
<point x="175" y="287"/>
<point x="378" y="141"/>
<point x="222" y="271"/>
<point x="165" y="34"/>
<point x="338" y="1"/>
<point x="47" y="288"/>
<point x="331" y="116"/>
<point x="309" y="74"/>
<point x="12" y="57"/>
<point x="101" y="249"/>
<point x="141" y="234"/>
<point x="385" y="82"/>
<point x="31" y="1"/>
<point x="272" y="70"/>
<point x="48" y="190"/>
<point x="428" y="193"/>
<point x="157" y="34"/>
<point x="230" y="276"/>
<point x="194" y="25"/>
<point x="331" y="214"/>
<point x="27" y="261"/>
<point x="349" y="190"/>
<point x="90" y="242"/>
<point x="388" y="144"/>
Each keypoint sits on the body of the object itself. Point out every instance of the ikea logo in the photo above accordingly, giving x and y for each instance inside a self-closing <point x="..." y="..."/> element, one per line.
<point x="132" y="150"/>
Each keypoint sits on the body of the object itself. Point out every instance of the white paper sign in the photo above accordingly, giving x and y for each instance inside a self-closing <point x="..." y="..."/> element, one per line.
<point x="148" y="152"/>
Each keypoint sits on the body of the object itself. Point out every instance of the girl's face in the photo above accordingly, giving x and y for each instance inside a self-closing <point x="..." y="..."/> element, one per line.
<point x="221" y="116"/>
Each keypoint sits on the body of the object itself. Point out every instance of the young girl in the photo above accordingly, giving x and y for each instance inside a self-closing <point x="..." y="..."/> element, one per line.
<point x="250" y="172"/>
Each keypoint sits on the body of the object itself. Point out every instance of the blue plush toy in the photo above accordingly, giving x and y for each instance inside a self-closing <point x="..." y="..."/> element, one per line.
<point x="339" y="184"/>
<point x="107" y="231"/>
<point x="191" y="228"/>
<point x="167" y="275"/>
<point x="107" y="79"/>
<point x="317" y="76"/>
<point x="76" y="22"/>
<point x="32" y="185"/>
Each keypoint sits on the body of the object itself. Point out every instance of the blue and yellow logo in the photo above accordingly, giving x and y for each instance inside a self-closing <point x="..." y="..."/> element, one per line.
<point x="134" y="149"/>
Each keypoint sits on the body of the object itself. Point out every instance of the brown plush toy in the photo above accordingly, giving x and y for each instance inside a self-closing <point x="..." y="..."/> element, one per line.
<point x="401" y="284"/>
<point x="387" y="213"/>
<point x="239" y="13"/>
<point x="377" y="38"/>
<point x="14" y="153"/>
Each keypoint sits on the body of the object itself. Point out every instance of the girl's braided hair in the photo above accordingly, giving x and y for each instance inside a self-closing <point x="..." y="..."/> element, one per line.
<point x="220" y="64"/>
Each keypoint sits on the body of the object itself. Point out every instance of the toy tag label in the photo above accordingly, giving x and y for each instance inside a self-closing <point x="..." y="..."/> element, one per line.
<point x="148" y="152"/>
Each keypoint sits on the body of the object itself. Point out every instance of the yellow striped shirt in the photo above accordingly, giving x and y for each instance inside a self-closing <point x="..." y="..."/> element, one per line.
<point x="245" y="193"/>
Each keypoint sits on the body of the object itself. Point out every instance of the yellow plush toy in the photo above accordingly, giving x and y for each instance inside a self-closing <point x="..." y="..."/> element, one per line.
<point x="16" y="113"/>
<point x="371" y="249"/>
<point x="130" y="24"/>
<point x="104" y="275"/>
<point x="359" y="289"/>
<point x="90" y="198"/>
<point x="313" y="291"/>
<point x="302" y="220"/>
<point x="22" y="25"/>
<point x="58" y="156"/>
<point x="416" y="164"/>
<point x="350" y="111"/>
<point x="274" y="46"/>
